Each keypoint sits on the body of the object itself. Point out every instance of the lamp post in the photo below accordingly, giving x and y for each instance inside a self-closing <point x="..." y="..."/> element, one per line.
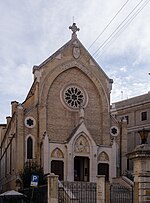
<point x="144" y="135"/>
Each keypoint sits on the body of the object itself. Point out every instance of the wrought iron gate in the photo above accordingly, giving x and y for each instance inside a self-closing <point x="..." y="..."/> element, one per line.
<point x="121" y="194"/>
<point x="77" y="192"/>
<point x="36" y="194"/>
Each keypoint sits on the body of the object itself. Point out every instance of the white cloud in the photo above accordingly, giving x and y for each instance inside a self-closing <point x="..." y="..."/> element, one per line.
<point x="123" y="69"/>
<point x="32" y="30"/>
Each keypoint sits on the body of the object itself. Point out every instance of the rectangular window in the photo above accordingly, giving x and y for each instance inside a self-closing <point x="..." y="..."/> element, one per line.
<point x="144" y="116"/>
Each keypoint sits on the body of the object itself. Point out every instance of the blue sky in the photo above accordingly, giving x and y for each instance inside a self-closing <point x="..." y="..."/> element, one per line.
<point x="30" y="31"/>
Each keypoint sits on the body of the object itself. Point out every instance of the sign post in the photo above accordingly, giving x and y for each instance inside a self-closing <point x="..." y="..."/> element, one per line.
<point x="34" y="183"/>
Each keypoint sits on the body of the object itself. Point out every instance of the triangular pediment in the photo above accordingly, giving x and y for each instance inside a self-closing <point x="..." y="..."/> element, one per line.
<point x="71" y="54"/>
<point x="73" y="50"/>
<point x="80" y="130"/>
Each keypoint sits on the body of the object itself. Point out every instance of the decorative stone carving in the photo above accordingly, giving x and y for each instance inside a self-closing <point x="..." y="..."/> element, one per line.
<point x="74" y="29"/>
<point x="103" y="157"/>
<point x="57" y="153"/>
<point x="82" y="145"/>
<point x="81" y="113"/>
<point x="59" y="56"/>
<point x="76" y="50"/>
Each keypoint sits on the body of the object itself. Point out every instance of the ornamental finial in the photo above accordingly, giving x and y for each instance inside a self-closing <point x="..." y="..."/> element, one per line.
<point x="74" y="29"/>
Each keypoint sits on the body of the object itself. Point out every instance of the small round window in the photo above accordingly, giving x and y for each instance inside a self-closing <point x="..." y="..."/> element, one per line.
<point x="74" y="97"/>
<point x="30" y="122"/>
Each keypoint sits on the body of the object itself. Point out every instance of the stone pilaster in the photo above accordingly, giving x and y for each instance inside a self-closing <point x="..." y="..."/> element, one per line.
<point x="141" y="172"/>
<point x="52" y="188"/>
<point x="124" y="146"/>
<point x="101" y="189"/>
<point x="20" y="139"/>
<point x="46" y="154"/>
<point x="114" y="155"/>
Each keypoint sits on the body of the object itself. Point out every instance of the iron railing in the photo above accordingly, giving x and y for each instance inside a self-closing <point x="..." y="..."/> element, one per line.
<point x="77" y="192"/>
<point x="36" y="194"/>
<point x="121" y="194"/>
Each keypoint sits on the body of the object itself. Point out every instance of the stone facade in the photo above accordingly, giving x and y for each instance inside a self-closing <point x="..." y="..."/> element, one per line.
<point x="141" y="170"/>
<point x="64" y="123"/>
<point x="136" y="111"/>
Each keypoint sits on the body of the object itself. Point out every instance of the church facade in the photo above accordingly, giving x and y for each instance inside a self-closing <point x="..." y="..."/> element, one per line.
<point x="64" y="123"/>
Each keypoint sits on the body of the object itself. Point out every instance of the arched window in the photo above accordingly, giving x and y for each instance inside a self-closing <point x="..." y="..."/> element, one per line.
<point x="29" y="148"/>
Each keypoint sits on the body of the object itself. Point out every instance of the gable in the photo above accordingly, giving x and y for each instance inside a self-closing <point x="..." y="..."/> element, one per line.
<point x="71" y="54"/>
<point x="72" y="68"/>
<point x="81" y="136"/>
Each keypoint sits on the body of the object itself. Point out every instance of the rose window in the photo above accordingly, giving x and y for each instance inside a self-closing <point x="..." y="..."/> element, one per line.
<point x="74" y="97"/>
<point x="30" y="122"/>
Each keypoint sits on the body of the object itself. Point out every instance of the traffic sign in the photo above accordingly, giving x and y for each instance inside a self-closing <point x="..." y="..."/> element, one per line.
<point x="34" y="180"/>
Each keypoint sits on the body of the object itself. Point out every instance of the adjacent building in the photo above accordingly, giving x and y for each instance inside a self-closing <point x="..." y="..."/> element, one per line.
<point x="136" y="111"/>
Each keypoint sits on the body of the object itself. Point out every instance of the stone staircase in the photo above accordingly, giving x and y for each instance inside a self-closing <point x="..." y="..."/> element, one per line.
<point x="121" y="190"/>
<point x="123" y="181"/>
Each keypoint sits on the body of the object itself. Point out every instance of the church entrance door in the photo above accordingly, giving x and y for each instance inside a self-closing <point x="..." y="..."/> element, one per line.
<point x="81" y="168"/>
<point x="57" y="167"/>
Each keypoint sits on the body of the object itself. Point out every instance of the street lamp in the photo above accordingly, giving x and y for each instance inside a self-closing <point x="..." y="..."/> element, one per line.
<point x="144" y="135"/>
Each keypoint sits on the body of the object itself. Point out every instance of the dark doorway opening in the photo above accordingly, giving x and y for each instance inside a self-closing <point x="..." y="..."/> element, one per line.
<point x="81" y="168"/>
<point x="103" y="169"/>
<point x="57" y="167"/>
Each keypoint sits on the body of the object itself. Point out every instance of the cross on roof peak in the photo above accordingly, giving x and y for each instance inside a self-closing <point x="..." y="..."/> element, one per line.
<point x="74" y="29"/>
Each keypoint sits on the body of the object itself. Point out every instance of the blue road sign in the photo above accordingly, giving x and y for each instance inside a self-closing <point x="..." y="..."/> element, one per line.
<point x="34" y="180"/>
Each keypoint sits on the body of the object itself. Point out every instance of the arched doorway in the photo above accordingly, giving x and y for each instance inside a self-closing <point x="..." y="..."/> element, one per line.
<point x="81" y="168"/>
<point x="103" y="169"/>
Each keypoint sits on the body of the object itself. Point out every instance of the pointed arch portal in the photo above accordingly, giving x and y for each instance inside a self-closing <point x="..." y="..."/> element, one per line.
<point x="81" y="168"/>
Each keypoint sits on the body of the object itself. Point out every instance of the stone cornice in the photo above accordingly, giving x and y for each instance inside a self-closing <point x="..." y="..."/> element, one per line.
<point x="141" y="151"/>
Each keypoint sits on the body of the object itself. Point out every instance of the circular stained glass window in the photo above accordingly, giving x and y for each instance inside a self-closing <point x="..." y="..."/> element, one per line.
<point x="74" y="97"/>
